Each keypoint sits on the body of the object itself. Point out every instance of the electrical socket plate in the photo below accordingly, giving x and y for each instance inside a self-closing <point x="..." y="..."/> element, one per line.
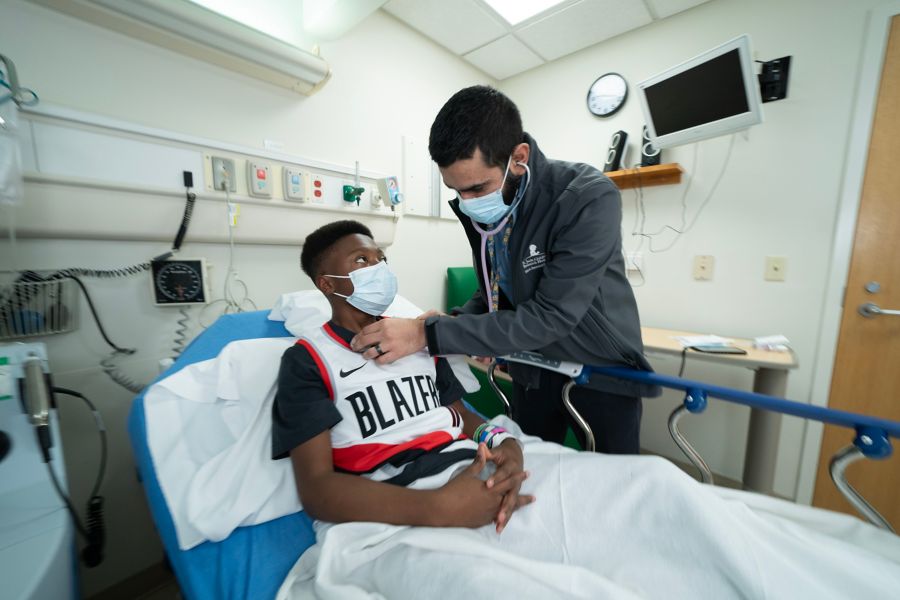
<point x="776" y="267"/>
<point x="634" y="261"/>
<point x="703" y="267"/>
<point x="221" y="166"/>
<point x="317" y="189"/>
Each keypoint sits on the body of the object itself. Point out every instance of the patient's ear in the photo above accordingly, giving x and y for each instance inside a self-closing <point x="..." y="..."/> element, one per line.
<point x="324" y="284"/>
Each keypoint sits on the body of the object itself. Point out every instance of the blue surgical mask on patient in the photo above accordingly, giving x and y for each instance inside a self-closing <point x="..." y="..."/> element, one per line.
<point x="489" y="208"/>
<point x="374" y="288"/>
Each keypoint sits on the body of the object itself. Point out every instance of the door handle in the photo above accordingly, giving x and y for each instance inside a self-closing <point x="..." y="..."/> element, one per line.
<point x="870" y="309"/>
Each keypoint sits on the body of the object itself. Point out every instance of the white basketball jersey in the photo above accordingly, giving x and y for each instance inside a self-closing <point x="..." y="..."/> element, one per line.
<point x="391" y="413"/>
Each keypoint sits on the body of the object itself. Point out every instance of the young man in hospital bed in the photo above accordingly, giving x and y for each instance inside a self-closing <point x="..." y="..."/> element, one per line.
<point x="416" y="497"/>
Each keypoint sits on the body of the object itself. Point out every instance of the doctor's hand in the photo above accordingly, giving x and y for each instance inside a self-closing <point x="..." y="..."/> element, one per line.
<point x="510" y="469"/>
<point x="388" y="340"/>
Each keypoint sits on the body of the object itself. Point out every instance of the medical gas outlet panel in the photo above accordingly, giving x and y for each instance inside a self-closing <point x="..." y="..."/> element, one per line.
<point x="265" y="180"/>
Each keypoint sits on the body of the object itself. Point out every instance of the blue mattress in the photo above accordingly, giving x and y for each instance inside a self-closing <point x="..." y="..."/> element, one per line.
<point x="253" y="561"/>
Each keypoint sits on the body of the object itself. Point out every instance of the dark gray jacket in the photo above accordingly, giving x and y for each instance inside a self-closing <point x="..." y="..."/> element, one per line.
<point x="571" y="299"/>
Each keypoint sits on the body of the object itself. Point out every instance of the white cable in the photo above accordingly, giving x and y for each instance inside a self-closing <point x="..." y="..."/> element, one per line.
<point x="13" y="246"/>
<point x="685" y="227"/>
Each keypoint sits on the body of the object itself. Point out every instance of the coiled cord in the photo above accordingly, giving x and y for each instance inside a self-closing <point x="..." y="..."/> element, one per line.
<point x="181" y="332"/>
<point x="101" y="273"/>
<point x="112" y="370"/>
<point x="107" y="364"/>
<point x="93" y="531"/>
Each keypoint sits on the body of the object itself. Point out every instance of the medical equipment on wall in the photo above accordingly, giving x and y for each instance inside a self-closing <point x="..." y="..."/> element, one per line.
<point x="10" y="154"/>
<point x="390" y="191"/>
<point x="25" y="381"/>
<point x="235" y="293"/>
<point x="352" y="193"/>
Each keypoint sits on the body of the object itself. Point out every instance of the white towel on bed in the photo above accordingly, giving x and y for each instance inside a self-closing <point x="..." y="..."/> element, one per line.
<point x="209" y="430"/>
<point x="608" y="526"/>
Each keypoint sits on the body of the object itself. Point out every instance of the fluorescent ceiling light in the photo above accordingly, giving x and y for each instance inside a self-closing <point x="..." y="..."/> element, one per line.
<point x="516" y="11"/>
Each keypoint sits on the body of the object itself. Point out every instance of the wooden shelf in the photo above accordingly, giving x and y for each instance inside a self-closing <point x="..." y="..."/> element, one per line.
<point x="646" y="176"/>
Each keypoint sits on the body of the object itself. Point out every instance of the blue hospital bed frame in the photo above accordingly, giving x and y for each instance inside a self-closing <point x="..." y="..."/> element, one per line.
<point x="254" y="560"/>
<point x="872" y="438"/>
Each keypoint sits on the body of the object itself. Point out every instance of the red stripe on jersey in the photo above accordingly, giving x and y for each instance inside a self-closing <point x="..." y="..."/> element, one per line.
<point x="364" y="458"/>
<point x="322" y="370"/>
<point x="331" y="333"/>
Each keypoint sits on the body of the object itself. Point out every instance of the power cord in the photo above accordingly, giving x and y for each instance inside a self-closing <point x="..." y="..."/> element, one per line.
<point x="107" y="364"/>
<point x="233" y="303"/>
<point x="94" y="532"/>
<point x="685" y="226"/>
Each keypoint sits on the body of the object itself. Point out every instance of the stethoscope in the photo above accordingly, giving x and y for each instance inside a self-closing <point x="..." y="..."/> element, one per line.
<point x="485" y="234"/>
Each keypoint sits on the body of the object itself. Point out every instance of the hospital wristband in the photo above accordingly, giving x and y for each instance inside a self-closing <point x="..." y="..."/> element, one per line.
<point x="491" y="435"/>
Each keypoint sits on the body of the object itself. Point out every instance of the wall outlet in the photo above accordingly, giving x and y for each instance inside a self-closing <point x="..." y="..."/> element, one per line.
<point x="703" y="267"/>
<point x="222" y="171"/>
<point x="317" y="189"/>
<point x="634" y="261"/>
<point x="776" y="267"/>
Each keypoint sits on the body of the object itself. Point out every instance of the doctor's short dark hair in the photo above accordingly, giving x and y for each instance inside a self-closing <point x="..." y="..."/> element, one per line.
<point x="476" y="117"/>
<point x="319" y="241"/>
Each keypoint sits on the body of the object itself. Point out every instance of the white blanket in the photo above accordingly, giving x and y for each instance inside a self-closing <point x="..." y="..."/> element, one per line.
<point x="609" y="527"/>
<point x="209" y="429"/>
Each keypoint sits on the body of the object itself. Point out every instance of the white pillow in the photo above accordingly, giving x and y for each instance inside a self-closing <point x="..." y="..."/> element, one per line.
<point x="309" y="309"/>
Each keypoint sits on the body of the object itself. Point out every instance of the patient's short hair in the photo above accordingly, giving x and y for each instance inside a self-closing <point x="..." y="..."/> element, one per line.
<point x="476" y="117"/>
<point x="319" y="241"/>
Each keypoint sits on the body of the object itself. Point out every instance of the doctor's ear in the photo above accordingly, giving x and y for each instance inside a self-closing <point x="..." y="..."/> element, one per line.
<point x="520" y="154"/>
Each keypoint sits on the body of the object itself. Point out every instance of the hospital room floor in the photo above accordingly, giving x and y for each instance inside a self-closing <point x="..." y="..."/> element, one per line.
<point x="158" y="583"/>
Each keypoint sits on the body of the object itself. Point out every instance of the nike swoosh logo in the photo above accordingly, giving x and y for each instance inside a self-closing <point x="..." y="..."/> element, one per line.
<point x="351" y="371"/>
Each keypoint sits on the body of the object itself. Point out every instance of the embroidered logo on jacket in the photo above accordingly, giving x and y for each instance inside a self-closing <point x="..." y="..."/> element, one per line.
<point x="534" y="260"/>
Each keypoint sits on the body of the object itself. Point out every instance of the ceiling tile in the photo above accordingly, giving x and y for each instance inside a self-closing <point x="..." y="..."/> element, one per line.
<point x="666" y="8"/>
<point x="583" y="24"/>
<point x="504" y="58"/>
<point x="459" y="26"/>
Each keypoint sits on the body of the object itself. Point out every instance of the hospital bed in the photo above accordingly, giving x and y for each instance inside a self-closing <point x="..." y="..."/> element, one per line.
<point x="254" y="560"/>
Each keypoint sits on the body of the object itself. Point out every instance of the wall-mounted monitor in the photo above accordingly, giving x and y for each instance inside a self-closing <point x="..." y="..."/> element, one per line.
<point x="707" y="96"/>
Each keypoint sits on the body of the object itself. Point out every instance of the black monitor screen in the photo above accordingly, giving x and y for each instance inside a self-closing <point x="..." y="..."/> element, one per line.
<point x="708" y="92"/>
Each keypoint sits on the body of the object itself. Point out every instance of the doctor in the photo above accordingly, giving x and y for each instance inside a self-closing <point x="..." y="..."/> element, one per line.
<point x="547" y="248"/>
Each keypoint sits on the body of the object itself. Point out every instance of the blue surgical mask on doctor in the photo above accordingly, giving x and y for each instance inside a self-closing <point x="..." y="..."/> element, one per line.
<point x="374" y="288"/>
<point x="489" y="208"/>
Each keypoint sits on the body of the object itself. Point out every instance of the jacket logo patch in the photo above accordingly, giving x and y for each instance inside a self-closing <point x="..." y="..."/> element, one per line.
<point x="534" y="260"/>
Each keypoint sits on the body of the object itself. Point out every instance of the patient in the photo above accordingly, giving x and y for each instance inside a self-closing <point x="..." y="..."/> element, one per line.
<point x="340" y="416"/>
<point x="394" y="445"/>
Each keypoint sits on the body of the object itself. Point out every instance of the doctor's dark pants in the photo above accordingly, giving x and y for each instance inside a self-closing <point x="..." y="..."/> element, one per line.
<point x="615" y="420"/>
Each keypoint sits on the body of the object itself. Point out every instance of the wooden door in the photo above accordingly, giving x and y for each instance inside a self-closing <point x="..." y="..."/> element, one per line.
<point x="866" y="375"/>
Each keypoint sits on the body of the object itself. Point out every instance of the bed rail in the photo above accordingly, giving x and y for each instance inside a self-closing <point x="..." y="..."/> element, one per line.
<point x="872" y="439"/>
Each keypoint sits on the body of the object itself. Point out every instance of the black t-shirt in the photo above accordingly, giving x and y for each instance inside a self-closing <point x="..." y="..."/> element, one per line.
<point x="303" y="408"/>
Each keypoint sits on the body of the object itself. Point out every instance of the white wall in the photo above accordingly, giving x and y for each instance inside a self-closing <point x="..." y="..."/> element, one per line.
<point x="388" y="82"/>
<point x="778" y="197"/>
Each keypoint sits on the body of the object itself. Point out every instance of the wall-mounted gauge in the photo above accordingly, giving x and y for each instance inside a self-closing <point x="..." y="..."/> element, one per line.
<point x="181" y="281"/>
